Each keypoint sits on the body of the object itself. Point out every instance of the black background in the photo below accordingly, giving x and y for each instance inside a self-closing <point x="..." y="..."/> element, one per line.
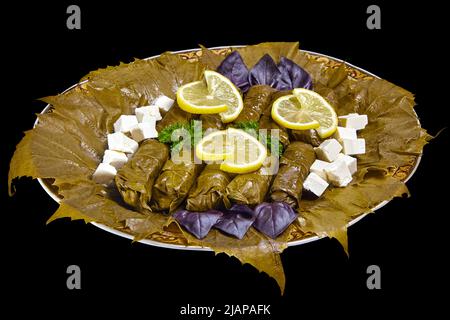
<point x="407" y="238"/>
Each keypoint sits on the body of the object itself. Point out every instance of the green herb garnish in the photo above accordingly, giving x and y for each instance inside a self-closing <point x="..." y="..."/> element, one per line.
<point x="178" y="134"/>
<point x="252" y="127"/>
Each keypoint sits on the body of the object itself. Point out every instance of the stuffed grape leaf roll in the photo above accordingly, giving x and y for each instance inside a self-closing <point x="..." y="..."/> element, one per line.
<point x="249" y="188"/>
<point x="135" y="179"/>
<point x="173" y="184"/>
<point x="294" y="168"/>
<point x="266" y="121"/>
<point x="175" y="115"/>
<point x="308" y="136"/>
<point x="211" y="121"/>
<point x="256" y="100"/>
<point x="209" y="189"/>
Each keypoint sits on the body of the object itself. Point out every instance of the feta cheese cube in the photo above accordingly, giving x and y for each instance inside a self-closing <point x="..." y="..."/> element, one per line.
<point x="147" y="111"/>
<point x="143" y="131"/>
<point x="120" y="142"/>
<point x="352" y="146"/>
<point x="354" y="120"/>
<point x="351" y="162"/>
<point x="149" y="119"/>
<point x="104" y="173"/>
<point x="328" y="150"/>
<point x="318" y="167"/>
<point x="125" y="123"/>
<point x="164" y="103"/>
<point x="338" y="174"/>
<point x="345" y="133"/>
<point x="115" y="158"/>
<point x="315" y="184"/>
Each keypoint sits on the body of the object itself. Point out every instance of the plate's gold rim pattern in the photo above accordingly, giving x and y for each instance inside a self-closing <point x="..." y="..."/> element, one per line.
<point x="174" y="239"/>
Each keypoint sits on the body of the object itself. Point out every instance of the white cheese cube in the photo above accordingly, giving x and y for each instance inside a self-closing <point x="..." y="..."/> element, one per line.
<point x="125" y="123"/>
<point x="352" y="146"/>
<point x="120" y="142"/>
<point x="148" y="112"/>
<point x="354" y="120"/>
<point x="164" y="103"/>
<point x="315" y="184"/>
<point x="148" y="119"/>
<point x="104" y="173"/>
<point x="115" y="158"/>
<point x="351" y="162"/>
<point x="143" y="131"/>
<point x="328" y="150"/>
<point x="318" y="167"/>
<point x="345" y="133"/>
<point x="338" y="174"/>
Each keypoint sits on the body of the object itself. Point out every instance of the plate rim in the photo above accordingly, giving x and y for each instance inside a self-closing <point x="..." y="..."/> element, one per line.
<point x="200" y="248"/>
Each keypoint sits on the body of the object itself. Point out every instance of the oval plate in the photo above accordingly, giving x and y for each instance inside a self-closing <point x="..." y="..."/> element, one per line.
<point x="165" y="241"/>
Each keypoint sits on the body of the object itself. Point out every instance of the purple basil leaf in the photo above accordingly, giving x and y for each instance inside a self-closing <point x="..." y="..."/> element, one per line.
<point x="197" y="223"/>
<point x="234" y="68"/>
<point x="292" y="76"/>
<point x="273" y="218"/>
<point x="236" y="221"/>
<point x="265" y="71"/>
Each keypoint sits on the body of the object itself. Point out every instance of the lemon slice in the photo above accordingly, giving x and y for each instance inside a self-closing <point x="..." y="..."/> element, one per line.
<point x="215" y="94"/>
<point x="213" y="147"/>
<point x="194" y="97"/>
<point x="318" y="109"/>
<point x="240" y="151"/>
<point x="223" y="89"/>
<point x="288" y="112"/>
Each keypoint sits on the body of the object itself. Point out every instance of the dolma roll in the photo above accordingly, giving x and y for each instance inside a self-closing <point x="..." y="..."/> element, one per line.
<point x="209" y="189"/>
<point x="173" y="184"/>
<point x="308" y="136"/>
<point x="249" y="188"/>
<point x="135" y="179"/>
<point x="211" y="121"/>
<point x="294" y="168"/>
<point x="173" y="116"/>
<point x="256" y="100"/>
<point x="266" y="121"/>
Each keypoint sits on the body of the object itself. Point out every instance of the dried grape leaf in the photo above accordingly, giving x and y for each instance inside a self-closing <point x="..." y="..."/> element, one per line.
<point x="86" y="200"/>
<point x="254" y="248"/>
<point x="210" y="59"/>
